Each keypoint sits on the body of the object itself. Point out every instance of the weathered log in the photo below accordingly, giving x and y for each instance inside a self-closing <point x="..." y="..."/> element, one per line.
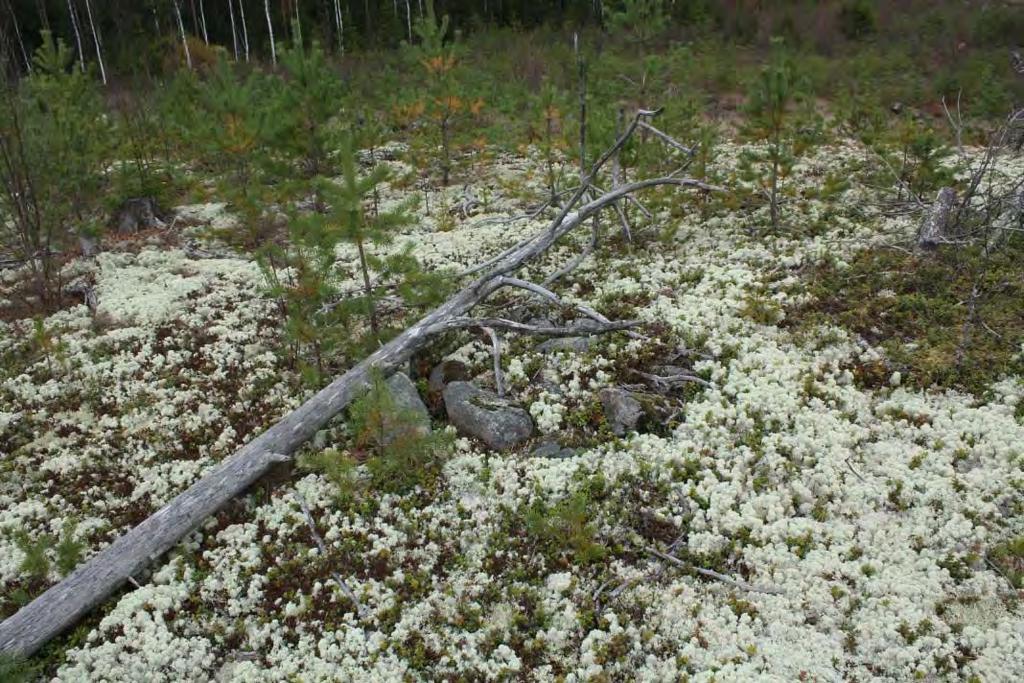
<point x="62" y="605"/>
<point x="935" y="226"/>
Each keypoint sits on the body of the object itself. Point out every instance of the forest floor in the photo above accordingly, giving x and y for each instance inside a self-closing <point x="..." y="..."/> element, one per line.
<point x="867" y="524"/>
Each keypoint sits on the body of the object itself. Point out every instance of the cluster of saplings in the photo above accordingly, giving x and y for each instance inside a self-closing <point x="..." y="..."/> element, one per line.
<point x="292" y="148"/>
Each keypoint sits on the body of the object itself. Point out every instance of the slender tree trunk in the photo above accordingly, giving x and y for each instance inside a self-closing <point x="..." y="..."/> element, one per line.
<point x="78" y="36"/>
<point x="775" y="180"/>
<point x="341" y="26"/>
<point x="17" y="35"/>
<point x="371" y="305"/>
<point x="581" y="65"/>
<point x="96" y="39"/>
<point x="234" y="30"/>
<point x="181" y="30"/>
<point x="297" y="28"/>
<point x="408" y="19"/>
<point x="245" y="28"/>
<point x="270" y="30"/>
<point x="44" y="18"/>
<point x="202" y="22"/>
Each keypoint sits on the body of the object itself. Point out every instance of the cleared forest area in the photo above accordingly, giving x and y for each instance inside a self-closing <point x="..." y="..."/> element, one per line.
<point x="511" y="341"/>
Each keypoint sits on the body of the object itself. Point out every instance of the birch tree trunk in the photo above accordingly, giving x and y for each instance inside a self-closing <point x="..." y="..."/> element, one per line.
<point x="245" y="28"/>
<point x="78" y="35"/>
<point x="234" y="30"/>
<point x="408" y="20"/>
<point x="270" y="29"/>
<point x="341" y="26"/>
<point x="17" y="35"/>
<point x="202" y="22"/>
<point x="181" y="30"/>
<point x="44" y="18"/>
<point x="96" y="39"/>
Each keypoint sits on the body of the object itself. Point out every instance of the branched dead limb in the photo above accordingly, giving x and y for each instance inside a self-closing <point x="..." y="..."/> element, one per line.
<point x="668" y="382"/>
<point x="360" y="610"/>
<point x="632" y="200"/>
<point x="575" y="261"/>
<point x="711" y="574"/>
<point x="957" y="124"/>
<point x="64" y="603"/>
<point x="547" y="294"/>
<point x="667" y="139"/>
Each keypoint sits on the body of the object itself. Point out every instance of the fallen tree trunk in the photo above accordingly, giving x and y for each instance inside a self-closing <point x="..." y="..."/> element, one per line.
<point x="62" y="605"/>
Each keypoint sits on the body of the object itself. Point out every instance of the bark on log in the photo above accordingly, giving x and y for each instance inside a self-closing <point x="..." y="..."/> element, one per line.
<point x="935" y="226"/>
<point x="61" y="606"/>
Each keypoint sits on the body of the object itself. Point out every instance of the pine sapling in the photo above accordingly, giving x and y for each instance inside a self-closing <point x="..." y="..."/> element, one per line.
<point x="767" y="108"/>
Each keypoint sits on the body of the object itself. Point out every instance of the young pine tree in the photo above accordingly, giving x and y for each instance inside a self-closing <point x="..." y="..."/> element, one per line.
<point x="769" y="122"/>
<point x="445" y="101"/>
<point x="324" y="320"/>
<point x="397" y="447"/>
<point x="306" y="102"/>
<point x="55" y="147"/>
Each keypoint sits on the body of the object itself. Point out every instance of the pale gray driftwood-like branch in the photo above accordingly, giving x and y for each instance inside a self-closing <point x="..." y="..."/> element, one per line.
<point x="712" y="574"/>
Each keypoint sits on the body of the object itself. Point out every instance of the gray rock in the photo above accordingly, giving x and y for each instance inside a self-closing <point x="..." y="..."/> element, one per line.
<point x="497" y="422"/>
<point x="407" y="400"/>
<point x="621" y="410"/>
<point x="137" y="213"/>
<point x="445" y="372"/>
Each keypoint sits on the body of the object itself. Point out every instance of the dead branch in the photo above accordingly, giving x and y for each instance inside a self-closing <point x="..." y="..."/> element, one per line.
<point x="667" y="139"/>
<point x="538" y="330"/>
<point x="712" y="574"/>
<point x="668" y="382"/>
<point x="360" y="610"/>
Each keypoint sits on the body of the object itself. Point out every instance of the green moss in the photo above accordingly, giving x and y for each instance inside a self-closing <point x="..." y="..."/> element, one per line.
<point x="761" y="310"/>
<point x="1009" y="558"/>
<point x="567" y="527"/>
